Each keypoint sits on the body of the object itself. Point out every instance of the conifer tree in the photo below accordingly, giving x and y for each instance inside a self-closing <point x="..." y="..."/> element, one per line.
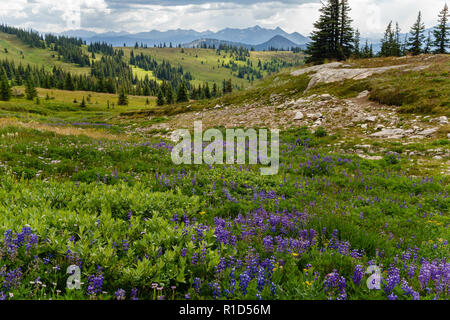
<point x="357" y="43"/>
<point x="160" y="101"/>
<point x="183" y="94"/>
<point x="442" y="32"/>
<point x="428" y="44"/>
<point x="170" y="95"/>
<point x="5" y="88"/>
<point x="123" y="99"/>
<point x="345" y="31"/>
<point x="30" y="90"/>
<point x="332" y="37"/>
<point x="417" y="38"/>
<point x="83" y="103"/>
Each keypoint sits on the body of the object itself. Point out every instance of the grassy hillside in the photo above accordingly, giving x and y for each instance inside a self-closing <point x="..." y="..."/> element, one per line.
<point x="22" y="53"/>
<point x="206" y="66"/>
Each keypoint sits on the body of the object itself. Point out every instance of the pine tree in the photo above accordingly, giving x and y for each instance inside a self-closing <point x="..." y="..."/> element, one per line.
<point x="170" y="95"/>
<point x="357" y="43"/>
<point x="442" y="32"/>
<point x="322" y="38"/>
<point x="5" y="88"/>
<point x="68" y="84"/>
<point x="417" y="37"/>
<point x="345" y="31"/>
<point x="229" y="86"/>
<point x="183" y="94"/>
<point x="30" y="90"/>
<point x="123" y="99"/>
<point x="428" y="44"/>
<point x="83" y="103"/>
<point x="160" y="101"/>
<point x="332" y="37"/>
<point x="391" y="44"/>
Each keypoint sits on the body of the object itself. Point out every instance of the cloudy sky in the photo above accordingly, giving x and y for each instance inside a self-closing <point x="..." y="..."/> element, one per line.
<point x="370" y="16"/>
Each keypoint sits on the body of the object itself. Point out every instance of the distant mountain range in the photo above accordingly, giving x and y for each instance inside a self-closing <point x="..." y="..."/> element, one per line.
<point x="278" y="42"/>
<point x="256" y="37"/>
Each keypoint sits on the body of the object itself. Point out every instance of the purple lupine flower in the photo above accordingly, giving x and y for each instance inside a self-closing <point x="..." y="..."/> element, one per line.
<point x="261" y="282"/>
<point x="120" y="294"/>
<point x="133" y="295"/>
<point x="392" y="280"/>
<point x="358" y="274"/>
<point x="268" y="244"/>
<point x="244" y="280"/>
<point x="197" y="285"/>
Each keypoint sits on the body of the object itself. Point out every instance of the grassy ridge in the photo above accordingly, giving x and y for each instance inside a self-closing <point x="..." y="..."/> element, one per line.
<point x="21" y="53"/>
<point x="206" y="66"/>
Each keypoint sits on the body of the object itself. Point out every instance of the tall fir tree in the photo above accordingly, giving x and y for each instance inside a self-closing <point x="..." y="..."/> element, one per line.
<point x="160" y="100"/>
<point x="442" y="32"/>
<point x="417" y="37"/>
<point x="30" y="89"/>
<point x="182" y="94"/>
<point x="391" y="44"/>
<point x="346" y="32"/>
<point x="428" y="44"/>
<point x="332" y="37"/>
<point x="123" y="99"/>
<point x="5" y="88"/>
<point x="357" y="44"/>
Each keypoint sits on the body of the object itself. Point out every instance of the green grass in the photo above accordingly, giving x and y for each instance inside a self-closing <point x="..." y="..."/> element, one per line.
<point x="206" y="66"/>
<point x="21" y="53"/>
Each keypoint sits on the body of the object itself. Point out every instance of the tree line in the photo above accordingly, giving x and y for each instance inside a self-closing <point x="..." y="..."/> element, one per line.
<point x="334" y="38"/>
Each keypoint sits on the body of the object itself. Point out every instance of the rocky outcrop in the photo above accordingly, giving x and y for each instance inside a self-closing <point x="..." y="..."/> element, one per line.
<point x="334" y="72"/>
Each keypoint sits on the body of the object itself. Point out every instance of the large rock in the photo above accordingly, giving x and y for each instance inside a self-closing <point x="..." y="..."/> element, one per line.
<point x="299" y="116"/>
<point x="331" y="72"/>
<point x="428" y="132"/>
<point x="389" y="134"/>
<point x="443" y="120"/>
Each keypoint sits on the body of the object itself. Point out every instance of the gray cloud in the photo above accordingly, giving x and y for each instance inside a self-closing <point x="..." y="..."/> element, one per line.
<point x="370" y="16"/>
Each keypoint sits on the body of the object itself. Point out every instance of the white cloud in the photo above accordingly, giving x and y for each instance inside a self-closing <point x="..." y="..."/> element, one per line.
<point x="370" y="16"/>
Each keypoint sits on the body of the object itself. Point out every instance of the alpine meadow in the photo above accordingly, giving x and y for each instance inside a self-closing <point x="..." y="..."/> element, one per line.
<point x="354" y="116"/>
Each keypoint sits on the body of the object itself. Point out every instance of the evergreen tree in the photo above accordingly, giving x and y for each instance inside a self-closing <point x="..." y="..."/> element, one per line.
<point x="83" y="103"/>
<point x="346" y="33"/>
<point x="428" y="44"/>
<point x="68" y="84"/>
<point x="170" y="96"/>
<point x="183" y="94"/>
<point x="332" y="37"/>
<point x="323" y="42"/>
<point x="5" y="89"/>
<point x="442" y="32"/>
<point x="160" y="101"/>
<point x="357" y="43"/>
<point x="229" y="86"/>
<point x="123" y="99"/>
<point x="417" y="37"/>
<point x="30" y="90"/>
<point x="391" y="45"/>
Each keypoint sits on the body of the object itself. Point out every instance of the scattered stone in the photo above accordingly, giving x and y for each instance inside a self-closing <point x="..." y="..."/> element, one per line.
<point x="314" y="116"/>
<point x="390" y="134"/>
<point x="299" y="116"/>
<point x="371" y="119"/>
<point x="428" y="132"/>
<point x="363" y="94"/>
<point x="326" y="97"/>
<point x="443" y="120"/>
